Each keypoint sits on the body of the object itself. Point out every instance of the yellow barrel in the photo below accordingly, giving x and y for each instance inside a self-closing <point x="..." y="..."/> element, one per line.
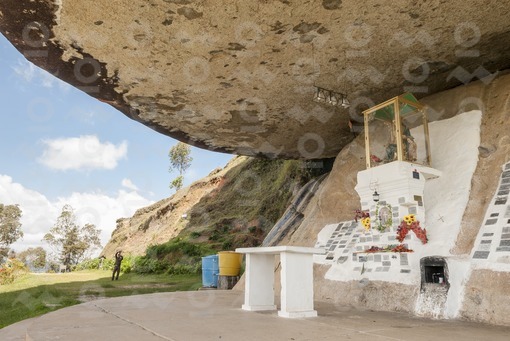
<point x="230" y="263"/>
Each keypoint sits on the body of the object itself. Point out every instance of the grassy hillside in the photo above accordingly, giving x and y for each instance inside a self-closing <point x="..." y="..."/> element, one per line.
<point x="246" y="204"/>
<point x="247" y="199"/>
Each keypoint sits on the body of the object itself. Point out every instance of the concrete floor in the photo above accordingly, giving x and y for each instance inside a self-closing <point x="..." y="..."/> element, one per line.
<point x="216" y="315"/>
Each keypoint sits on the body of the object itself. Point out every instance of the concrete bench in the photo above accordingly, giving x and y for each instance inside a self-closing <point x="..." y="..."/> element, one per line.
<point x="296" y="279"/>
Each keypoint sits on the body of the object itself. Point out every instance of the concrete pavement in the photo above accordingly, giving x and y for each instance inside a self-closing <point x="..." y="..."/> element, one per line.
<point x="216" y="315"/>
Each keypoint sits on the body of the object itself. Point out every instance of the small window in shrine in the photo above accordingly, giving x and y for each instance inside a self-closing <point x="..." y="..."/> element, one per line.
<point x="434" y="270"/>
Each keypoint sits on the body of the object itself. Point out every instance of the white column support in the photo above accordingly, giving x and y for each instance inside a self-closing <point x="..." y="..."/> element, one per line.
<point x="259" y="286"/>
<point x="297" y="285"/>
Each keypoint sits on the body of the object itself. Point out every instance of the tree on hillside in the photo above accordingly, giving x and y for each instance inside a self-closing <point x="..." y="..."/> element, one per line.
<point x="10" y="227"/>
<point x="71" y="241"/>
<point x="180" y="160"/>
<point x="35" y="257"/>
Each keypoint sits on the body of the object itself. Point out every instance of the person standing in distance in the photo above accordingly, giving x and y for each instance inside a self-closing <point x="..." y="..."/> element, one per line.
<point x="116" y="267"/>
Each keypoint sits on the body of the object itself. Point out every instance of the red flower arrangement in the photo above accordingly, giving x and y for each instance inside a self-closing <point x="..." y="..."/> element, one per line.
<point x="374" y="249"/>
<point x="401" y="248"/>
<point x="359" y="214"/>
<point x="411" y="224"/>
<point x="389" y="248"/>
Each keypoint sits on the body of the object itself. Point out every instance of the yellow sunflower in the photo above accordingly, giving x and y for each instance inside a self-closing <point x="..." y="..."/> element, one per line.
<point x="410" y="218"/>
<point x="366" y="223"/>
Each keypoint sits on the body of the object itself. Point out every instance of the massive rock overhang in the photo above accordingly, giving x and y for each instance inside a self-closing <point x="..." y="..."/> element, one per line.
<point x="239" y="76"/>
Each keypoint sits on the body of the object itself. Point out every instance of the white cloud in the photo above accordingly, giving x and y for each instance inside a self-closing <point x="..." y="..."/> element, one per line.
<point x="37" y="209"/>
<point x="82" y="153"/>
<point x="129" y="184"/>
<point x="47" y="80"/>
<point x="25" y="70"/>
<point x="35" y="75"/>
<point x="40" y="214"/>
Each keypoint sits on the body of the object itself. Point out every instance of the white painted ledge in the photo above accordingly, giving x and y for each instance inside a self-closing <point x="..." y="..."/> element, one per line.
<point x="274" y="250"/>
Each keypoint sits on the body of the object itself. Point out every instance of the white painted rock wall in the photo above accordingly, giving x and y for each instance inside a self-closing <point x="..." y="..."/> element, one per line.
<point x="454" y="148"/>
<point x="492" y="245"/>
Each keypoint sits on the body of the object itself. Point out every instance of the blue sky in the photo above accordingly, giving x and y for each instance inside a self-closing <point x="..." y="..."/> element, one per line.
<point x="59" y="145"/>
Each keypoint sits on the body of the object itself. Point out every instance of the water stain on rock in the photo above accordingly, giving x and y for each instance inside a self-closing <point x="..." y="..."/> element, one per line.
<point x="167" y="22"/>
<point x="243" y="117"/>
<point x="179" y="2"/>
<point x="236" y="47"/>
<point x="278" y="27"/>
<point x="306" y="38"/>
<point x="331" y="4"/>
<point x="189" y="13"/>
<point x="322" y="30"/>
<point x="305" y="27"/>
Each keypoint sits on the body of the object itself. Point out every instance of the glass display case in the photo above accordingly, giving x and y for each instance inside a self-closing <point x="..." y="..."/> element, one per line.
<point x="397" y="130"/>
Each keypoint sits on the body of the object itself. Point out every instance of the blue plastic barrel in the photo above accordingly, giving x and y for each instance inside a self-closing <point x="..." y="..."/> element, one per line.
<point x="210" y="271"/>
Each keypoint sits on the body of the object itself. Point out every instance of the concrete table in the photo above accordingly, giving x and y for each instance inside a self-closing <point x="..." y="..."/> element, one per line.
<point x="296" y="279"/>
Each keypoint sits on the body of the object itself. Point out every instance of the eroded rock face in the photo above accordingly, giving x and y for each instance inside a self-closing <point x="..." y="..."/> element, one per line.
<point x="238" y="76"/>
<point x="485" y="297"/>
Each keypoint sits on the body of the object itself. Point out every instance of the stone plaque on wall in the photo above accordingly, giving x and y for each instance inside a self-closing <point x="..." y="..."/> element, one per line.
<point x="481" y="255"/>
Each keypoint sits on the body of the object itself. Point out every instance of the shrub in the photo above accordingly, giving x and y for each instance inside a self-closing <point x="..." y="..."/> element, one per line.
<point x="11" y="270"/>
<point x="93" y="264"/>
<point x="148" y="265"/>
<point x="127" y="263"/>
<point x="88" y="264"/>
<point x="194" y="234"/>
<point x="227" y="245"/>
<point x="177" y="256"/>
<point x="183" y="269"/>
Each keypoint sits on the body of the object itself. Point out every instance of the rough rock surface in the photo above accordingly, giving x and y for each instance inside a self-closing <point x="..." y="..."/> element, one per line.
<point x="486" y="292"/>
<point x="374" y="295"/>
<point x="238" y="76"/>
<point x="487" y="297"/>
<point x="336" y="200"/>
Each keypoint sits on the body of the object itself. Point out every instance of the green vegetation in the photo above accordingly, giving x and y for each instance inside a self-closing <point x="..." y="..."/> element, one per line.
<point x="36" y="294"/>
<point x="10" y="227"/>
<point x="178" y="256"/>
<point x="249" y="199"/>
<point x="71" y="241"/>
<point x="248" y="202"/>
<point x="11" y="270"/>
<point x="173" y="266"/>
<point x="180" y="160"/>
<point x="33" y="256"/>
<point x="107" y="264"/>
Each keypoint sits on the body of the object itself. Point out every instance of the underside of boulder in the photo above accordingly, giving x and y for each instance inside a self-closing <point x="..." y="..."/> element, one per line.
<point x="239" y="76"/>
